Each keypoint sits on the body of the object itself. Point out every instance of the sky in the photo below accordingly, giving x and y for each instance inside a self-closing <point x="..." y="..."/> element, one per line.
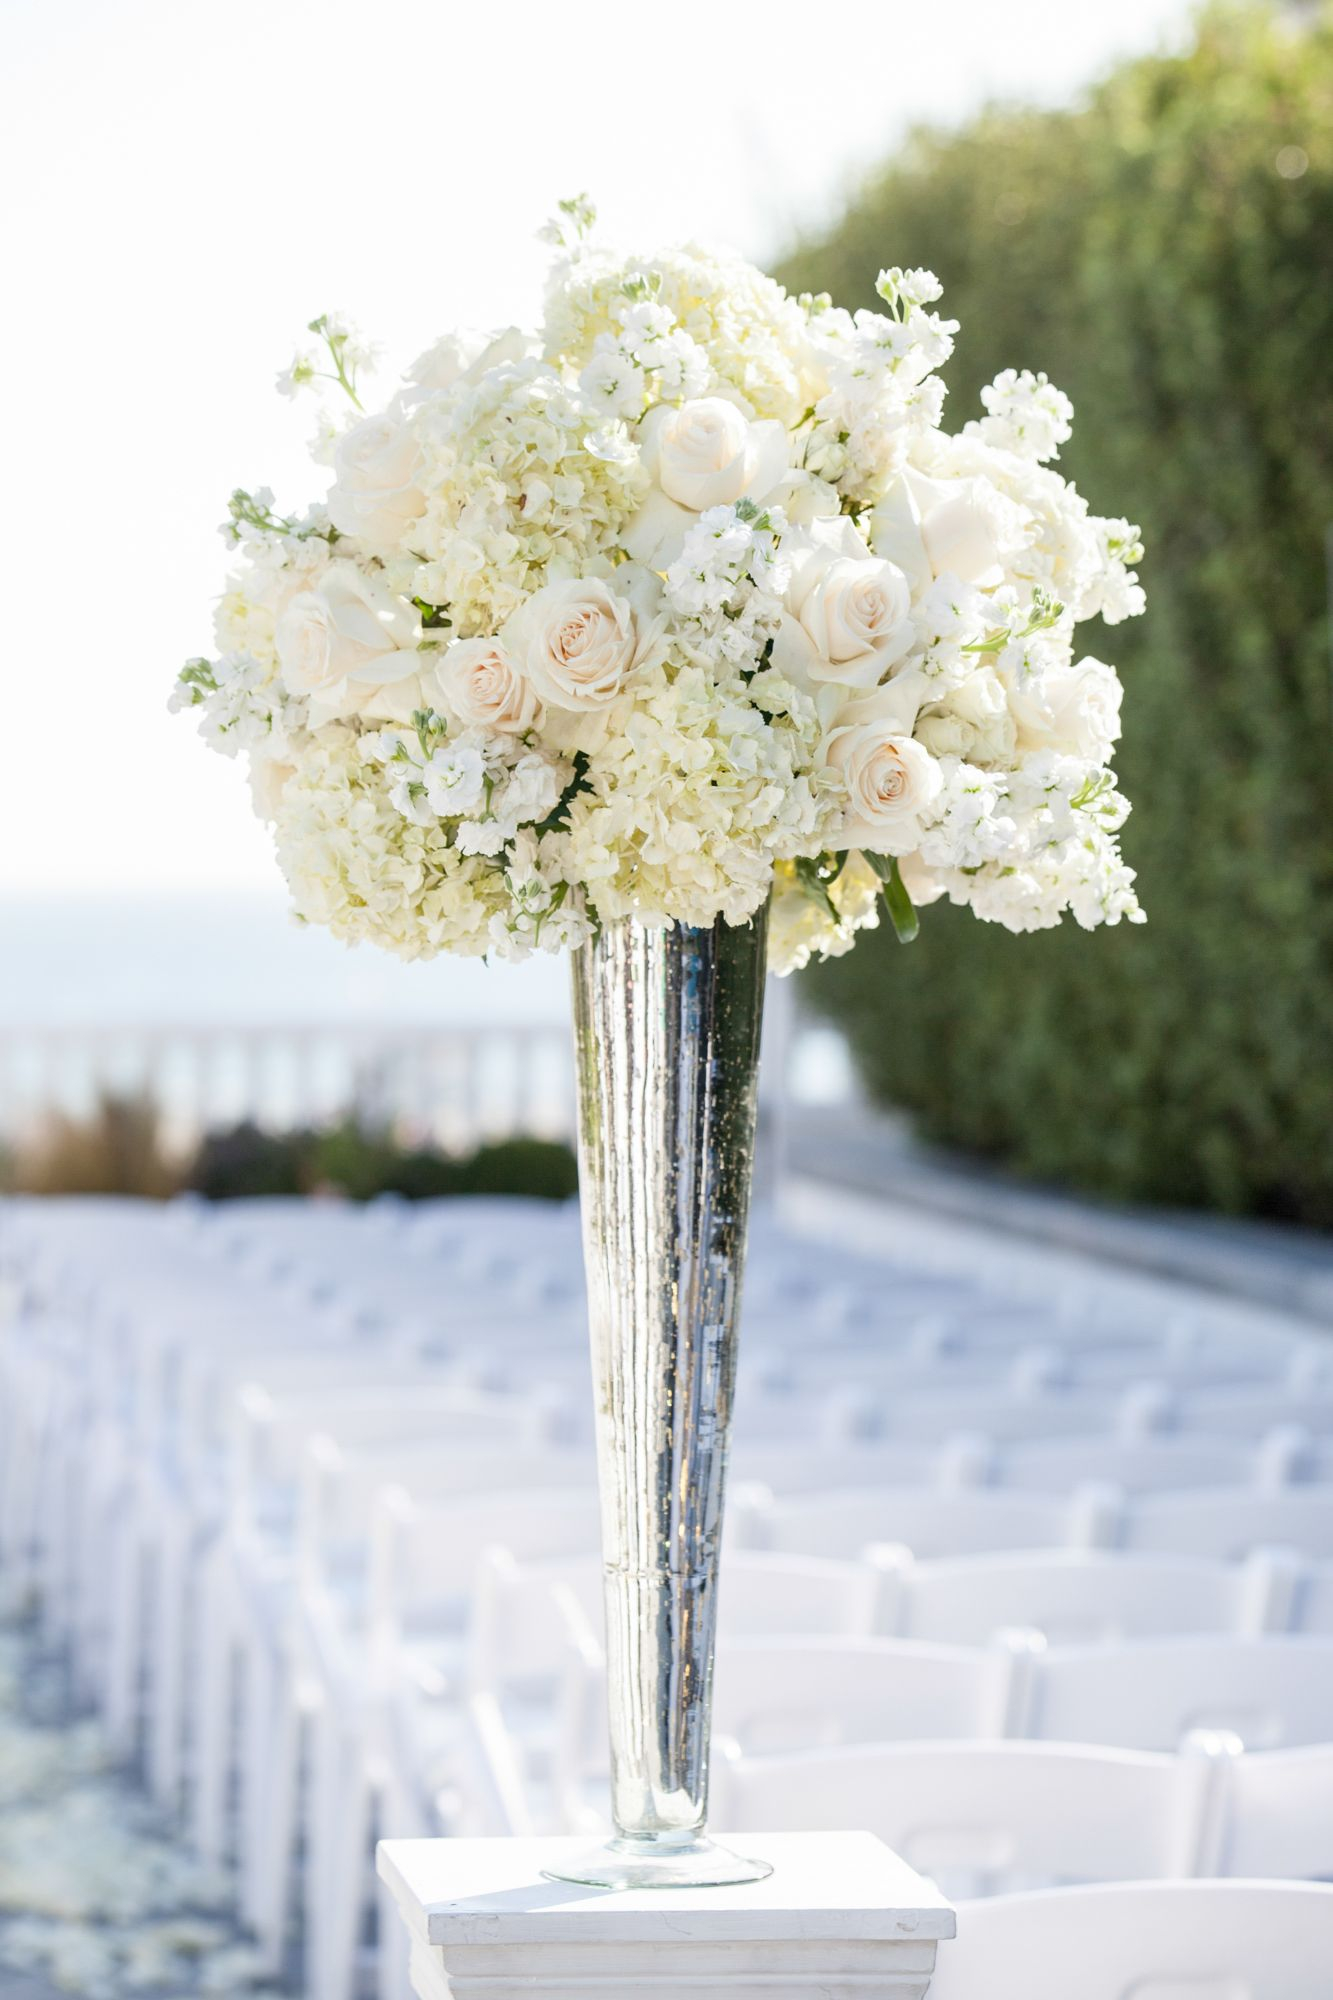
<point x="188" y="185"/>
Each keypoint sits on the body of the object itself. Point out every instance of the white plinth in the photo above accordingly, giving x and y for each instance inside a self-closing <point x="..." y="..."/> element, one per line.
<point x="840" y="1918"/>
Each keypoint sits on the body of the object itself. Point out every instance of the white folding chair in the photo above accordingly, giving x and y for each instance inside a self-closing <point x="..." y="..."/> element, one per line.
<point x="787" y="1693"/>
<point x="1143" y="1941"/>
<point x="1077" y="1596"/>
<point x="424" y="1560"/>
<point x="1169" y="1463"/>
<point x="931" y="1523"/>
<point x="1279" y="1818"/>
<point x="983" y="1817"/>
<point x="1245" y="1411"/>
<point x="1229" y="1523"/>
<point x="1148" y="1694"/>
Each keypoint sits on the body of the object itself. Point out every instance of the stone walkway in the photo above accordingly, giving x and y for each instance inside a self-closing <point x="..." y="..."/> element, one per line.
<point x="97" y="1895"/>
<point x="1266" y="1264"/>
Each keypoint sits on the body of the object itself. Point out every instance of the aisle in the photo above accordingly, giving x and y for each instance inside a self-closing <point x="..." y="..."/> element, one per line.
<point x="97" y="1895"/>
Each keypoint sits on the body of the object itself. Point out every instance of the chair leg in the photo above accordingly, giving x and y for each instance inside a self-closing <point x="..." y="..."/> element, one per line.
<point x="167" y="1668"/>
<point x="269" y="1818"/>
<point x="338" y="1879"/>
<point x="401" y="1818"/>
<point x="212" y="1748"/>
<point x="127" y="1609"/>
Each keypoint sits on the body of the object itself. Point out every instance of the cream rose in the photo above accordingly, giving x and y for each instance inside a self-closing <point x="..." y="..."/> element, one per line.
<point x="701" y="454"/>
<point x="576" y="641"/>
<point x="972" y="722"/>
<point x="482" y="688"/>
<point x="934" y="527"/>
<point x="890" y="778"/>
<point x="269" y="779"/>
<point x="463" y="358"/>
<point x="1075" y="709"/>
<point x="373" y="495"/>
<point x="848" y="613"/>
<point x="350" y="645"/>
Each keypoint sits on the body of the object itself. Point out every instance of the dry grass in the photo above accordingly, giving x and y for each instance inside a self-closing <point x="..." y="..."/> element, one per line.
<point x="117" y="1149"/>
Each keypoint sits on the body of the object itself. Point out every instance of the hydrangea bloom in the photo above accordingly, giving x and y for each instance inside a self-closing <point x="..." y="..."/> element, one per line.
<point x="683" y="601"/>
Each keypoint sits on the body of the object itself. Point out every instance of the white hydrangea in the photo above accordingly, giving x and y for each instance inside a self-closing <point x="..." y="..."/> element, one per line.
<point x="729" y="597"/>
<point x="512" y="493"/>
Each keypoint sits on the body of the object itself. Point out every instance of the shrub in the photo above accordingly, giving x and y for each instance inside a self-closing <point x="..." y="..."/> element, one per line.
<point x="1165" y="253"/>
<point x="349" y="1161"/>
<point x="116" y="1149"/>
<point x="246" y="1162"/>
<point x="540" y="1167"/>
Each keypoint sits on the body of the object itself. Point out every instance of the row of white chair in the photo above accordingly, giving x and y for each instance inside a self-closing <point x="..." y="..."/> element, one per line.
<point x="221" y="1543"/>
<point x="1072" y="1597"/>
<point x="1143" y="1941"/>
<point x="332" y="1249"/>
<point x="986" y="1818"/>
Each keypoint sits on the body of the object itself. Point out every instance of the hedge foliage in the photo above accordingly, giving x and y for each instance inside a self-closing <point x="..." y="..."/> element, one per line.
<point x="117" y="1148"/>
<point x="1165" y="253"/>
<point x="347" y="1161"/>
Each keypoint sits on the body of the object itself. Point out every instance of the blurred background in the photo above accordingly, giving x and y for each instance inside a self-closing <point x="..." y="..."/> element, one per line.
<point x="1137" y="199"/>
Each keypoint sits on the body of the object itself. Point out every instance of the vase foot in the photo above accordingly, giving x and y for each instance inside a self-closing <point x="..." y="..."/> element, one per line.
<point x="627" y="1863"/>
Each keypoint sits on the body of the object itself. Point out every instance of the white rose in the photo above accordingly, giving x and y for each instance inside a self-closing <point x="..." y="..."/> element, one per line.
<point x="462" y="357"/>
<point x="269" y="779"/>
<point x="938" y="527"/>
<point x="973" y="722"/>
<point x="848" y="613"/>
<point x="1074" y="709"/>
<point x="804" y="498"/>
<point x="701" y="454"/>
<point x="577" y="640"/>
<point x="482" y="688"/>
<point x="918" y="881"/>
<point x="890" y="778"/>
<point x="351" y="646"/>
<point x="373" y="495"/>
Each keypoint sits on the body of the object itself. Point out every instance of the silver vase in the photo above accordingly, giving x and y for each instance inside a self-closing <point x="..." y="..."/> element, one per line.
<point x="666" y="1027"/>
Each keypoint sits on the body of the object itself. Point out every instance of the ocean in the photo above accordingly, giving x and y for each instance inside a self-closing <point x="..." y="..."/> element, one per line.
<point x="179" y="961"/>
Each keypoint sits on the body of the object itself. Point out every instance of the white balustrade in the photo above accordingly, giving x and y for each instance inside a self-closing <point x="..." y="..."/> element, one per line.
<point x="452" y="1087"/>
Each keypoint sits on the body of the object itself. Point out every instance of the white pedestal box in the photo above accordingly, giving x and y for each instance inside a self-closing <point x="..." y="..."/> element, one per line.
<point x="840" y="1918"/>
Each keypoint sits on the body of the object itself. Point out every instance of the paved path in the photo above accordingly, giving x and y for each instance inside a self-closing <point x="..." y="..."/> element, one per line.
<point x="1267" y="1264"/>
<point x="97" y="1896"/>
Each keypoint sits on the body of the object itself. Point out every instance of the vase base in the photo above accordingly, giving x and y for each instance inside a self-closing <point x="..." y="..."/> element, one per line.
<point x="625" y="1863"/>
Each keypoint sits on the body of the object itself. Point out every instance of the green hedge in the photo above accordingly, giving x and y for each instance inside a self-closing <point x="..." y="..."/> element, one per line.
<point x="345" y="1160"/>
<point x="1165" y="253"/>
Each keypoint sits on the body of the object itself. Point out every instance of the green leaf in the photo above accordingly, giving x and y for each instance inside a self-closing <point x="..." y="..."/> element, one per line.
<point x="814" y="873"/>
<point x="901" y="908"/>
<point x="559" y="813"/>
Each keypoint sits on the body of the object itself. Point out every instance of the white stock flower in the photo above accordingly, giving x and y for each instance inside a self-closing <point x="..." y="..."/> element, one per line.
<point x="1025" y="413"/>
<point x="350" y="645"/>
<point x="374" y="495"/>
<point x="528" y="793"/>
<point x="848" y="611"/>
<point x="704" y="454"/>
<point x="578" y="641"/>
<point x="482" y="688"/>
<point x="454" y="776"/>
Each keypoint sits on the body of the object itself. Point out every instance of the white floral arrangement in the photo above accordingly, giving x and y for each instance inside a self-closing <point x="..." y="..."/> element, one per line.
<point x="684" y="602"/>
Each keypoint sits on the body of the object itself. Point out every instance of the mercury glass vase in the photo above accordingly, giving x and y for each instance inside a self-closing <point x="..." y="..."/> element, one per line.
<point x="666" y="1026"/>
